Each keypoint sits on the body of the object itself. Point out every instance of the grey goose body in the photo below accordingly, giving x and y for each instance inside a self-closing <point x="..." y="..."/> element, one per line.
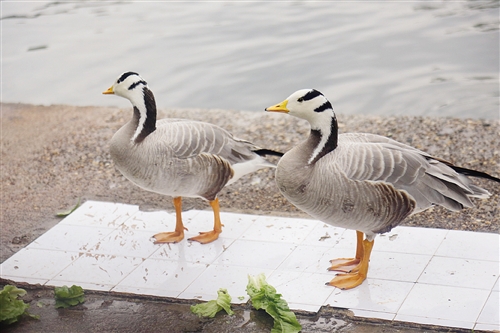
<point x="365" y="182"/>
<point x="178" y="157"/>
<point x="183" y="158"/>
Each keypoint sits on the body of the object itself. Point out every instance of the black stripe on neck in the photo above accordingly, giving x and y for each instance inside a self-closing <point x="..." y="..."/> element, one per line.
<point x="311" y="94"/>
<point x="126" y="75"/>
<point x="330" y="144"/>
<point x="149" y="125"/>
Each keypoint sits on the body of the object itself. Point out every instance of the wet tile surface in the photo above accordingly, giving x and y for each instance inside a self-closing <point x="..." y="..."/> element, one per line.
<point x="429" y="276"/>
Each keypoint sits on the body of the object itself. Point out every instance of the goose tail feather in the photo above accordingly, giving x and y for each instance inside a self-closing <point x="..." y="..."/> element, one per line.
<point x="266" y="152"/>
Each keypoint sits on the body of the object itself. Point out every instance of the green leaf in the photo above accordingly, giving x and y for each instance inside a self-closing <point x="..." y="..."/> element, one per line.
<point x="210" y="308"/>
<point x="11" y="308"/>
<point x="69" y="211"/>
<point x="263" y="296"/>
<point x="66" y="297"/>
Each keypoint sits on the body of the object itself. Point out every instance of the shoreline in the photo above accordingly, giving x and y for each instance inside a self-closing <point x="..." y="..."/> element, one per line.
<point x="52" y="156"/>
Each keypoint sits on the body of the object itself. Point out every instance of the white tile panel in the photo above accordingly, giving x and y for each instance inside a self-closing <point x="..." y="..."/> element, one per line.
<point x="164" y="276"/>
<point x="250" y="253"/>
<point x="445" y="303"/>
<point x="373" y="295"/>
<point x="490" y="314"/>
<point x="458" y="272"/>
<point x="38" y="263"/>
<point x="428" y="276"/>
<point x="301" y="287"/>
<point x="470" y="245"/>
<point x="279" y="229"/>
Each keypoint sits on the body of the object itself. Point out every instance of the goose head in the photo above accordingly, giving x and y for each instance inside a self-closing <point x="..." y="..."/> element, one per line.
<point x="308" y="104"/>
<point x="131" y="86"/>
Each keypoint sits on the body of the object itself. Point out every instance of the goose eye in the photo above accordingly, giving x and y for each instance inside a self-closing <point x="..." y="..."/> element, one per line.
<point x="300" y="100"/>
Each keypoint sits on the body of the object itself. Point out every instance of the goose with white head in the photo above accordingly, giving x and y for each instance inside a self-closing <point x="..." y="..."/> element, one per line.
<point x="178" y="157"/>
<point x="365" y="182"/>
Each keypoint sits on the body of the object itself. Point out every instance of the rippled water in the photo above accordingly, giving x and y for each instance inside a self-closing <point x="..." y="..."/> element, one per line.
<point x="418" y="58"/>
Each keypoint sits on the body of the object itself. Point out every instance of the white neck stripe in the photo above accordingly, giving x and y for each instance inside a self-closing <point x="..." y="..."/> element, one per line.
<point x="321" y="145"/>
<point x="142" y="119"/>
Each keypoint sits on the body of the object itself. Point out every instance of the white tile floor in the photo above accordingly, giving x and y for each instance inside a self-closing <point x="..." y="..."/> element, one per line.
<point x="428" y="276"/>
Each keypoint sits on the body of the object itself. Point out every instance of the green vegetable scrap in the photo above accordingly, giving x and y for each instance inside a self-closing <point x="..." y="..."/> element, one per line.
<point x="210" y="308"/>
<point x="11" y="308"/>
<point x="69" y="211"/>
<point x="66" y="297"/>
<point x="264" y="296"/>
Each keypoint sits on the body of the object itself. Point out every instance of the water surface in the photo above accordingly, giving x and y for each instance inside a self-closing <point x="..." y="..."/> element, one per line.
<point x="385" y="58"/>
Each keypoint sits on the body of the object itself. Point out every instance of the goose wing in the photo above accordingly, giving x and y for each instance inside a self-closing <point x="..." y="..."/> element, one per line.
<point x="373" y="158"/>
<point x="188" y="143"/>
<point x="188" y="139"/>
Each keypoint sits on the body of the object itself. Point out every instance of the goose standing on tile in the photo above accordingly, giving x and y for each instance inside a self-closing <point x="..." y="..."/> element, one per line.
<point x="178" y="157"/>
<point x="364" y="182"/>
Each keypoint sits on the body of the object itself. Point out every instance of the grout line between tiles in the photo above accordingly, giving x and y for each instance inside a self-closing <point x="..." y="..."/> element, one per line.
<point x="246" y="229"/>
<point x="404" y="299"/>
<point x="419" y="276"/>
<point x="197" y="277"/>
<point x="430" y="258"/>
<point x="482" y="308"/>
<point x="80" y="254"/>
<point x="126" y="275"/>
<point x="447" y="285"/>
<point x="461" y="257"/>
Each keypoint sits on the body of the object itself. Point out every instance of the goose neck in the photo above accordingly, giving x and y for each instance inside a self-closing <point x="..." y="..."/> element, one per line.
<point x="323" y="139"/>
<point x="144" y="116"/>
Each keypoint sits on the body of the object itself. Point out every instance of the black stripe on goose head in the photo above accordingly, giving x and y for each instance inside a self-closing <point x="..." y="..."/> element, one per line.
<point x="325" y="106"/>
<point x="135" y="84"/>
<point x="125" y="75"/>
<point x="313" y="93"/>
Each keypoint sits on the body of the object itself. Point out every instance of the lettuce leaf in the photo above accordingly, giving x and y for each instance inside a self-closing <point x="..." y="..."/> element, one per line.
<point x="66" y="297"/>
<point x="11" y="308"/>
<point x="264" y="296"/>
<point x="69" y="211"/>
<point x="210" y="308"/>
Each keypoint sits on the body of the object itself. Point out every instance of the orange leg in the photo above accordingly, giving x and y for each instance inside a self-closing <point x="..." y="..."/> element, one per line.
<point x="178" y="234"/>
<point x="210" y="236"/>
<point x="358" y="274"/>
<point x="349" y="264"/>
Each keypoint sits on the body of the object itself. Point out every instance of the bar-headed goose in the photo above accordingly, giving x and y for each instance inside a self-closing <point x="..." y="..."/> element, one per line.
<point x="364" y="182"/>
<point x="178" y="157"/>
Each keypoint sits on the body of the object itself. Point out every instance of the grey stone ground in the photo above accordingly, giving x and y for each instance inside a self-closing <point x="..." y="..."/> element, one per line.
<point x="53" y="155"/>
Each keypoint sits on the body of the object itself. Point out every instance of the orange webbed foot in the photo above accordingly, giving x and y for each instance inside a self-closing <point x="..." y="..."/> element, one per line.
<point x="206" y="237"/>
<point x="169" y="237"/>
<point x="210" y="236"/>
<point x="347" y="281"/>
<point x="359" y="270"/>
<point x="346" y="265"/>
<point x="178" y="234"/>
